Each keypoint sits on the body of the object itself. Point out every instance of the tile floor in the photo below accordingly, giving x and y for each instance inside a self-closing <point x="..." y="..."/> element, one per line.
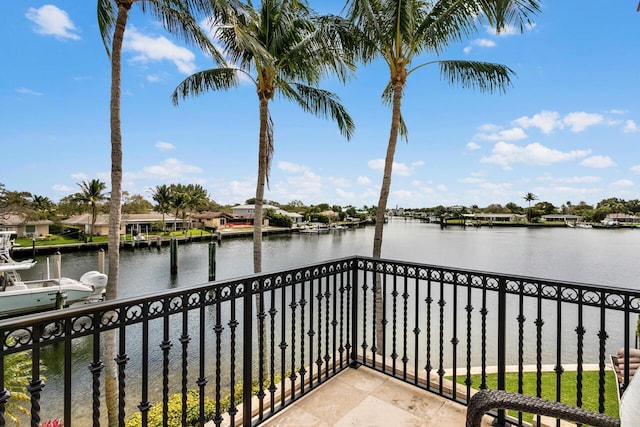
<point x="366" y="398"/>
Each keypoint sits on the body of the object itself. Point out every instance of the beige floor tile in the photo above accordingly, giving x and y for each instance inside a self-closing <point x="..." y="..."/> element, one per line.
<point x="333" y="400"/>
<point x="373" y="412"/>
<point x="296" y="417"/>
<point x="364" y="397"/>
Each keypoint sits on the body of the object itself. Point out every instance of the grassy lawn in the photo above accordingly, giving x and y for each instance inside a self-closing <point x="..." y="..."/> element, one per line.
<point x="590" y="381"/>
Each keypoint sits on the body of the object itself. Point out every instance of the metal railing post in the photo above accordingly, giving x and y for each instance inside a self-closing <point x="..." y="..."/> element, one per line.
<point x="502" y="343"/>
<point x="354" y="315"/>
<point x="247" y="354"/>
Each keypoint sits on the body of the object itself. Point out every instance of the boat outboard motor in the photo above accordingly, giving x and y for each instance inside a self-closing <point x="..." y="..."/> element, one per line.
<point x="95" y="279"/>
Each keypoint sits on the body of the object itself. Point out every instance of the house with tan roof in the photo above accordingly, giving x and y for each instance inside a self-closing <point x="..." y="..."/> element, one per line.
<point x="23" y="227"/>
<point x="138" y="223"/>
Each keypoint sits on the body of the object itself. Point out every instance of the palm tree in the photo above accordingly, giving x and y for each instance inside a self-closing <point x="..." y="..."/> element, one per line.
<point x="180" y="18"/>
<point x="400" y="31"/>
<point x="282" y="48"/>
<point x="161" y="194"/>
<point x="179" y="202"/>
<point x="529" y="197"/>
<point x="91" y="193"/>
<point x="198" y="197"/>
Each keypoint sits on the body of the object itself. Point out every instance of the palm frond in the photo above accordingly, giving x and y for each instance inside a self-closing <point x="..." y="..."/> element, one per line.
<point x="203" y="81"/>
<point x="321" y="103"/>
<point x="180" y="22"/>
<point x="485" y="76"/>
<point x="503" y="13"/>
<point x="106" y="22"/>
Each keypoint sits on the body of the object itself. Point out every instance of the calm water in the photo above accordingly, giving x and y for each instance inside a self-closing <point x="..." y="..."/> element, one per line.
<point x="605" y="257"/>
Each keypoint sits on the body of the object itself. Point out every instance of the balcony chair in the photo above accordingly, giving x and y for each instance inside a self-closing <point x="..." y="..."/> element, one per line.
<point x="486" y="400"/>
<point x="629" y="398"/>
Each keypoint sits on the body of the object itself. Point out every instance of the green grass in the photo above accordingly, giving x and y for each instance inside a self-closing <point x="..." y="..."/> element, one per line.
<point x="590" y="387"/>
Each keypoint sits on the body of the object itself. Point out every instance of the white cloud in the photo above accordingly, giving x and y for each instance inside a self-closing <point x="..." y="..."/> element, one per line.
<point x="339" y="182"/>
<point x="345" y="194"/>
<point x="635" y="169"/>
<point x="28" y="91"/>
<point x="150" y="49"/>
<point x="505" y="154"/>
<point x="599" y="162"/>
<point x="479" y="43"/>
<point x="622" y="183"/>
<point x="154" y="78"/>
<point x="546" y="121"/>
<point x="52" y="21"/>
<point x="81" y="176"/>
<point x="579" y="121"/>
<point x="170" y="169"/>
<point x="398" y="168"/>
<point x="513" y="134"/>
<point x="508" y="30"/>
<point x="473" y="146"/>
<point x="164" y="146"/>
<point x="630" y="127"/>
<point x="62" y="188"/>
<point x="363" y="180"/>
<point x="472" y="180"/>
<point x="292" y="167"/>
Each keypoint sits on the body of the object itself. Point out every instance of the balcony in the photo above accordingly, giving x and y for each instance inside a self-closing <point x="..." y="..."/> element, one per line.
<point x="249" y="349"/>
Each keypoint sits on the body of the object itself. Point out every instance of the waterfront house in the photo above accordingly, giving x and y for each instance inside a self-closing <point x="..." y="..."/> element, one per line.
<point x="24" y="227"/>
<point x="622" y="218"/>
<point x="138" y="223"/>
<point x="249" y="211"/>
<point x="499" y="217"/>
<point x="561" y="218"/>
<point x="211" y="219"/>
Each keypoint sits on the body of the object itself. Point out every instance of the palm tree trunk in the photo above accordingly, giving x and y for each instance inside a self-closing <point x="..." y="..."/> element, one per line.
<point x="262" y="173"/>
<point x="94" y="215"/>
<point x="111" y="388"/>
<point x="382" y="207"/>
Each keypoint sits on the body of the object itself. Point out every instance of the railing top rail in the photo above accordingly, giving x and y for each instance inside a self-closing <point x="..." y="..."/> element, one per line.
<point x="507" y="277"/>
<point x="273" y="279"/>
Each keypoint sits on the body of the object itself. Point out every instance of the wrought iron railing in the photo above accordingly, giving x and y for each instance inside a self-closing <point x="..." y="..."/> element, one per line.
<point x="249" y="347"/>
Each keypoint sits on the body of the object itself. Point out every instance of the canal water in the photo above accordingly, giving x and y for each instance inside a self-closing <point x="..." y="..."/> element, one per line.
<point x="603" y="257"/>
<point x="600" y="257"/>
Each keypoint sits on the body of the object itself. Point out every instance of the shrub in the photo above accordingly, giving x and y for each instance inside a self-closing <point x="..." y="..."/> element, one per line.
<point x="174" y="418"/>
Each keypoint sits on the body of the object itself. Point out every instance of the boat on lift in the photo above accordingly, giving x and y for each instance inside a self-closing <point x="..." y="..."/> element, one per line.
<point x="18" y="296"/>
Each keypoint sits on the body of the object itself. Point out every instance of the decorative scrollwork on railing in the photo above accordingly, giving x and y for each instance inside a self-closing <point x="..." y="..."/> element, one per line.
<point x="462" y="279"/>
<point x="569" y="294"/>
<point x="613" y="300"/>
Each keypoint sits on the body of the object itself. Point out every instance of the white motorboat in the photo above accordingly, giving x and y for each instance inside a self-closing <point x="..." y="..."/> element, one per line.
<point x="21" y="297"/>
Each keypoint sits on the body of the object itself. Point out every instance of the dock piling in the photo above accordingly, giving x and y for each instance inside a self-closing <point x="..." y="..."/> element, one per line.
<point x="174" y="255"/>
<point x="212" y="261"/>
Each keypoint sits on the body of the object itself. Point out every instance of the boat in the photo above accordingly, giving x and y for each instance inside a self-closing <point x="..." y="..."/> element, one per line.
<point x="584" y="225"/>
<point x="21" y="297"/>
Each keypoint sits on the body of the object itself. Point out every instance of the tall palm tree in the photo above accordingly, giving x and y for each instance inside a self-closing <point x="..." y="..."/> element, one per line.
<point x="161" y="194"/>
<point x="530" y="197"/>
<point x="400" y="31"/>
<point x="180" y="18"/>
<point x="91" y="193"/>
<point x="283" y="47"/>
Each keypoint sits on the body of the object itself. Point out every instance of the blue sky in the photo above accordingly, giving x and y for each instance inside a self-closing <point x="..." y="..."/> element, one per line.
<point x="568" y="129"/>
